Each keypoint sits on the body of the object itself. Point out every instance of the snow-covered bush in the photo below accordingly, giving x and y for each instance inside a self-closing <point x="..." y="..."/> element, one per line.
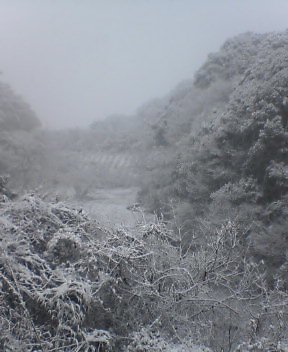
<point x="63" y="288"/>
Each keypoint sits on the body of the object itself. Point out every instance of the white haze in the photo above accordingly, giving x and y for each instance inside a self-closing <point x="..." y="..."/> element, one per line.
<point x="76" y="61"/>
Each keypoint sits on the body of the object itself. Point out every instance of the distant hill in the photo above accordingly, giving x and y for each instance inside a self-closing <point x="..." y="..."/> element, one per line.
<point x="18" y="147"/>
<point x="15" y="114"/>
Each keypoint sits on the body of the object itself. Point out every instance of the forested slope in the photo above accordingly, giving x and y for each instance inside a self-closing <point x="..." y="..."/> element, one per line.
<point x="234" y="166"/>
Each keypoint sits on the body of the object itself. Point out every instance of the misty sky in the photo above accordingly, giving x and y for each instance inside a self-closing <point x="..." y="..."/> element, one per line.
<point x="76" y="61"/>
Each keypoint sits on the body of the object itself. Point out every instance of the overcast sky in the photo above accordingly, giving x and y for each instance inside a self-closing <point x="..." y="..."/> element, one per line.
<point x="75" y="61"/>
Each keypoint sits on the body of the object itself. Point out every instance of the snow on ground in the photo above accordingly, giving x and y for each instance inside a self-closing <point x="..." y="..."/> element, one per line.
<point x="109" y="207"/>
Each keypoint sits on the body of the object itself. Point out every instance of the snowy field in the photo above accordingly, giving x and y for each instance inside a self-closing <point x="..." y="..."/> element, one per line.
<point x="109" y="207"/>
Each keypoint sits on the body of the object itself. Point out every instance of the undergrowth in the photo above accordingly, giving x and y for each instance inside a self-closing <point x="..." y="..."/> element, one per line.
<point x="65" y="289"/>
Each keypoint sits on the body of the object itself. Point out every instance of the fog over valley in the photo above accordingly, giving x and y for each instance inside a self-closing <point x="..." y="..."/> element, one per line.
<point x="80" y="61"/>
<point x="143" y="176"/>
